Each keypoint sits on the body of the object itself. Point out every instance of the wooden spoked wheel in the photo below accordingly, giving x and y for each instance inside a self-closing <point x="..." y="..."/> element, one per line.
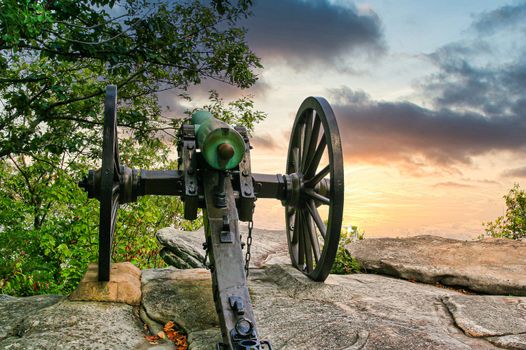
<point x="314" y="186"/>
<point x="109" y="184"/>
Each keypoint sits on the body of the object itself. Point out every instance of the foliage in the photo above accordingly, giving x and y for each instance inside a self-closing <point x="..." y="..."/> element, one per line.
<point x="56" y="57"/>
<point x="238" y="112"/>
<point x="345" y="263"/>
<point x="513" y="224"/>
<point x="48" y="251"/>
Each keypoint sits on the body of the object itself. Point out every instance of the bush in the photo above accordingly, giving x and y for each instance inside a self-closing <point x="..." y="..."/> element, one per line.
<point x="50" y="254"/>
<point x="345" y="263"/>
<point x="513" y="224"/>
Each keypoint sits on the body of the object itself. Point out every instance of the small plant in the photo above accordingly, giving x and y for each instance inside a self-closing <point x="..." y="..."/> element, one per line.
<point x="513" y="224"/>
<point x="344" y="262"/>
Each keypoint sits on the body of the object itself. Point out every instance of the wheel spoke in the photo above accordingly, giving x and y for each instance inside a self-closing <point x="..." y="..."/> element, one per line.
<point x="317" y="219"/>
<point x="301" y="239"/>
<point x="295" y="159"/>
<point x="318" y="177"/>
<point x="313" y="165"/>
<point x="312" y="142"/>
<point x="116" y="150"/>
<point x="114" y="208"/>
<point x="313" y="238"/>
<point x="306" y="137"/>
<point x="315" y="195"/>
<point x="307" y="241"/>
<point x="294" y="238"/>
<point x="300" y="141"/>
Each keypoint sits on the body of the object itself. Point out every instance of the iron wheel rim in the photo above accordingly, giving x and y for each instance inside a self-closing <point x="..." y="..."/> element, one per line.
<point x="110" y="181"/>
<point x="301" y="215"/>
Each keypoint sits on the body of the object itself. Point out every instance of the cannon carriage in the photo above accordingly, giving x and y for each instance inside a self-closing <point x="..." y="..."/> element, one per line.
<point x="214" y="174"/>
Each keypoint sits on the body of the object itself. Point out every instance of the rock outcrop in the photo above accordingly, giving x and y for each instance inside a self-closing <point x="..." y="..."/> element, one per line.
<point x="51" y="322"/>
<point x="351" y="312"/>
<point x="360" y="311"/>
<point x="492" y="266"/>
<point x="184" y="249"/>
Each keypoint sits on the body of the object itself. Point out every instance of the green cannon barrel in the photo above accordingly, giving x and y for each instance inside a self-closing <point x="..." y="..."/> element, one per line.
<point x="221" y="145"/>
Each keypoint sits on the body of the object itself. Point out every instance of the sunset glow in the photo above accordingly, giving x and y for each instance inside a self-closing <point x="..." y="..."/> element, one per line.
<point x="429" y="99"/>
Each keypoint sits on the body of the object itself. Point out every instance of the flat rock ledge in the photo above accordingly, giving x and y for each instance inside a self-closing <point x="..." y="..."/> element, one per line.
<point x="361" y="311"/>
<point x="184" y="249"/>
<point x="490" y="266"/>
<point x="351" y="312"/>
<point x="53" y="322"/>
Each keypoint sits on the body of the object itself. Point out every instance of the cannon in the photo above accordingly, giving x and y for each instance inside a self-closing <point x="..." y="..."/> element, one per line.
<point x="214" y="173"/>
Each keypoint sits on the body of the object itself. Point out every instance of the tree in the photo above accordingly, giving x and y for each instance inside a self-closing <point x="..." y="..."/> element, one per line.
<point x="56" y="57"/>
<point x="513" y="224"/>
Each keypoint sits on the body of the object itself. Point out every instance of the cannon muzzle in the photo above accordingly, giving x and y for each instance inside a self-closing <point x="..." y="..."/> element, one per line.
<point x="221" y="145"/>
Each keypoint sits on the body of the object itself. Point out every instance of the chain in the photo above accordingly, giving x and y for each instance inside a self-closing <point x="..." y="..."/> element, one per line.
<point x="249" y="243"/>
<point x="205" y="247"/>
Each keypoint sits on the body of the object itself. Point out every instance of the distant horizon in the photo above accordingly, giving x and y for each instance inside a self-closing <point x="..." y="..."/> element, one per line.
<point x="429" y="99"/>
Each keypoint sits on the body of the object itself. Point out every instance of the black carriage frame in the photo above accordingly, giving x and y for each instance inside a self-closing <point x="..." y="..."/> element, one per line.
<point x="303" y="188"/>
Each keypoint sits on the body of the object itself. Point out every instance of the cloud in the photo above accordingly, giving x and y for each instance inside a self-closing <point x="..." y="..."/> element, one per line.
<point x="517" y="172"/>
<point x="404" y="133"/>
<point x="173" y="104"/>
<point x="451" y="184"/>
<point x="503" y="17"/>
<point x="265" y="142"/>
<point x="312" y="31"/>
<point x="484" y="88"/>
<point x="227" y="91"/>
<point x="477" y="106"/>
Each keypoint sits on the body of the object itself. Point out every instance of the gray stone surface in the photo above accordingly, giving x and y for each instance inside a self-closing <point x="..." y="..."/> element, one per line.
<point x="72" y="325"/>
<point x="354" y="312"/>
<point x="492" y="266"/>
<point x="515" y="342"/>
<point x="359" y="311"/>
<point x="181" y="296"/>
<point x="13" y="311"/>
<point x="351" y="312"/>
<point x="481" y="316"/>
<point x="184" y="249"/>
<point x="181" y="249"/>
<point x="205" y="339"/>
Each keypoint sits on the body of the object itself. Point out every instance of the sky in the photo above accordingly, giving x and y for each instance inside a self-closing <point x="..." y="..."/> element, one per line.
<point x="429" y="99"/>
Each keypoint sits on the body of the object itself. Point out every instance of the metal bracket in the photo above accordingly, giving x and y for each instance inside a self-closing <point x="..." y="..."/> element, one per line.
<point x="219" y="191"/>
<point x="236" y="303"/>
<point x="188" y="156"/>
<point x="247" y="197"/>
<point x="226" y="235"/>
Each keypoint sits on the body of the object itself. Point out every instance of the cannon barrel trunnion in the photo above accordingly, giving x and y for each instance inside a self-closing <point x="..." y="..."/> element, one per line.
<point x="214" y="174"/>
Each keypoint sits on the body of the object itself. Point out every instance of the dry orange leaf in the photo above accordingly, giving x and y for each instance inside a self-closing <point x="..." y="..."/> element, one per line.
<point x="169" y="332"/>
<point x="169" y="326"/>
<point x="152" y="339"/>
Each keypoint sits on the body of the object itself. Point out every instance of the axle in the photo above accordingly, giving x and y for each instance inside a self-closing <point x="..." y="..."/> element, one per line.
<point x="171" y="183"/>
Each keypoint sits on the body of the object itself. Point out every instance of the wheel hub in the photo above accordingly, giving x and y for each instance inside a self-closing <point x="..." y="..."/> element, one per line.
<point x="293" y="189"/>
<point x="295" y="186"/>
